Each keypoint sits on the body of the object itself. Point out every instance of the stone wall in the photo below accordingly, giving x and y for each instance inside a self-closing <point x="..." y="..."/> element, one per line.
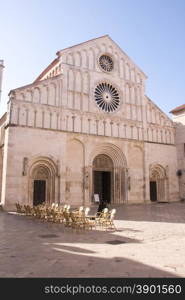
<point x="72" y="155"/>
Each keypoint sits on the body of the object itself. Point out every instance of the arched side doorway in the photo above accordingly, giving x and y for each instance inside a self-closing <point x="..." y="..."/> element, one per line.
<point x="42" y="177"/>
<point x="108" y="174"/>
<point x="103" y="177"/>
<point x="158" y="184"/>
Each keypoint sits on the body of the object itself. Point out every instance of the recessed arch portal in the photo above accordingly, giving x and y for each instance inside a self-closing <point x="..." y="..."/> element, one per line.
<point x="158" y="184"/>
<point x="103" y="177"/>
<point x="110" y="162"/>
<point x="42" y="178"/>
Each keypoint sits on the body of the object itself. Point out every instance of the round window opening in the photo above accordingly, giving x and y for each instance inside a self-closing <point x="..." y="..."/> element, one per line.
<point x="107" y="97"/>
<point x="106" y="63"/>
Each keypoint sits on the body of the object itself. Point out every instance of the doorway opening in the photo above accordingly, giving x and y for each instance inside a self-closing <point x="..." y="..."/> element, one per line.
<point x="153" y="191"/>
<point x="102" y="185"/>
<point x="39" y="192"/>
<point x="159" y="185"/>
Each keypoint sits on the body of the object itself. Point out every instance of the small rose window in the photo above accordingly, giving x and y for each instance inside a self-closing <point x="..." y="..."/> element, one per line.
<point x="106" y="63"/>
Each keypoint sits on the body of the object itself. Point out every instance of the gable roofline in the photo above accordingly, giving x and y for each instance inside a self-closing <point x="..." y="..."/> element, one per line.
<point x="3" y="119"/>
<point x="127" y="56"/>
<point x="56" y="60"/>
<point x="59" y="53"/>
<point x="36" y="83"/>
<point x="51" y="65"/>
<point x="88" y="41"/>
<point x="178" y="108"/>
<point x="159" y="108"/>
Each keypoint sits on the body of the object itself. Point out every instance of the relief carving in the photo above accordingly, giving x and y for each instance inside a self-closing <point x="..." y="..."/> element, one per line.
<point x="128" y="179"/>
<point x="25" y="166"/>
<point x="86" y="178"/>
<point x="102" y="161"/>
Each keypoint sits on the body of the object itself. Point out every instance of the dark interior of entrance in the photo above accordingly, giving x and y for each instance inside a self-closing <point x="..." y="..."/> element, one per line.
<point x="153" y="190"/>
<point x="39" y="192"/>
<point x="102" y="185"/>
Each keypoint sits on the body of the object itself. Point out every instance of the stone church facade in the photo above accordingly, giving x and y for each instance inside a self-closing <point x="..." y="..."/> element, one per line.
<point x="85" y="127"/>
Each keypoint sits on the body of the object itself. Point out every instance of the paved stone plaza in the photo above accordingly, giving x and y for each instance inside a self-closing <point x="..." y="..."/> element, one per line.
<point x="149" y="242"/>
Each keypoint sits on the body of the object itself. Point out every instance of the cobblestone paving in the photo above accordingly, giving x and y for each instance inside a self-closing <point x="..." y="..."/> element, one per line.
<point x="149" y="242"/>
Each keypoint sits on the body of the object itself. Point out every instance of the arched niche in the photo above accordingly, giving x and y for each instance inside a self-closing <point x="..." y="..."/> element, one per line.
<point x="159" y="188"/>
<point x="42" y="181"/>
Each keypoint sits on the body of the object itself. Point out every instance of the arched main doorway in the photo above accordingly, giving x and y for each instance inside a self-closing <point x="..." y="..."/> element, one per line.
<point x="103" y="177"/>
<point x="108" y="174"/>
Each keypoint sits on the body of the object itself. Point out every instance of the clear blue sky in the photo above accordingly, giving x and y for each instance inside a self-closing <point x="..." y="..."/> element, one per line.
<point x="151" y="32"/>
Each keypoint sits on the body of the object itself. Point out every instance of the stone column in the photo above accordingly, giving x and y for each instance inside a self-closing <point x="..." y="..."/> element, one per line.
<point x="127" y="184"/>
<point x="88" y="185"/>
<point x="58" y="183"/>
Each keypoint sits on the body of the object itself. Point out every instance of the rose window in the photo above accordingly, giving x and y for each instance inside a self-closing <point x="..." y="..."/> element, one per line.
<point x="106" y="63"/>
<point x="107" y="97"/>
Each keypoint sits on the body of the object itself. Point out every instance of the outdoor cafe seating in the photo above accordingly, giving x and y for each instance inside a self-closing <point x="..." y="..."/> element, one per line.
<point x="77" y="219"/>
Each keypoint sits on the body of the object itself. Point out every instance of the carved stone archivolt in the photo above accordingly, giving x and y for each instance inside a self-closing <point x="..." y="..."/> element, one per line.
<point x="102" y="162"/>
<point x="41" y="173"/>
<point x="108" y="157"/>
<point x="43" y="168"/>
<point x="157" y="172"/>
<point x="112" y="151"/>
